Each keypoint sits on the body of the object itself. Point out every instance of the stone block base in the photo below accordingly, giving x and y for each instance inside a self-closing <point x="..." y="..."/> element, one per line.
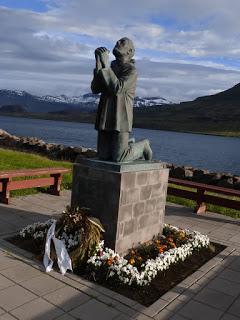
<point x="129" y="198"/>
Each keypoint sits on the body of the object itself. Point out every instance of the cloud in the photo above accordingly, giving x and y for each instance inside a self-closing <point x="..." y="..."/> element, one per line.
<point x="184" y="48"/>
<point x="23" y="35"/>
<point x="181" y="82"/>
<point x="191" y="27"/>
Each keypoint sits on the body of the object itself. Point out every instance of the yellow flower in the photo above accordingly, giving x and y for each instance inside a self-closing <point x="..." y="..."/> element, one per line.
<point x="182" y="235"/>
<point x="132" y="261"/>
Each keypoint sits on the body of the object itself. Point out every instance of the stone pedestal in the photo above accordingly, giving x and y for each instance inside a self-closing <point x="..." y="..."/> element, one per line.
<point x="129" y="198"/>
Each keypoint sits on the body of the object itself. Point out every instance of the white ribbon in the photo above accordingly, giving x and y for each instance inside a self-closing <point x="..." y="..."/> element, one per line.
<point x="63" y="259"/>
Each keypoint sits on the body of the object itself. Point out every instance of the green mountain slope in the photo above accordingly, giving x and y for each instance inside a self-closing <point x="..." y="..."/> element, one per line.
<point x="215" y="114"/>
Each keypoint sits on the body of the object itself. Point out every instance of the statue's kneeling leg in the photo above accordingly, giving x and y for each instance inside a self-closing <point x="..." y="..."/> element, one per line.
<point x="147" y="151"/>
<point x="104" y="145"/>
<point x="140" y="150"/>
<point x="137" y="151"/>
<point x="120" y="146"/>
<point x="123" y="151"/>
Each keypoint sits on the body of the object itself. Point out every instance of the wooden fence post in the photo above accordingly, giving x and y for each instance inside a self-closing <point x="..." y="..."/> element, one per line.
<point x="5" y="194"/>
<point x="201" y="205"/>
<point x="55" y="189"/>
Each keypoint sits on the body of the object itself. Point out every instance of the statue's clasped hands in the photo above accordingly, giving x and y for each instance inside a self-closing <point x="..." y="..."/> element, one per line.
<point x="102" y="58"/>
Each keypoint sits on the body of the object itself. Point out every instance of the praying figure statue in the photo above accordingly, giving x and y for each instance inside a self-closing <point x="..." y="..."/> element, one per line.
<point x="117" y="84"/>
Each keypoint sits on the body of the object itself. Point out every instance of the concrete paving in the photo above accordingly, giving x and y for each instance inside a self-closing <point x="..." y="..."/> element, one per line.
<point x="27" y="292"/>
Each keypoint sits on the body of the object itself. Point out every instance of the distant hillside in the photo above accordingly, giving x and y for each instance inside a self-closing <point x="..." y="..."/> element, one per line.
<point x="13" y="108"/>
<point x="38" y="104"/>
<point x="230" y="95"/>
<point x="83" y="103"/>
<point x="215" y="114"/>
<point x="223" y="106"/>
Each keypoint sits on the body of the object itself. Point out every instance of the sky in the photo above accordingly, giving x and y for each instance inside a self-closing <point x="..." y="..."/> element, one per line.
<point x="184" y="48"/>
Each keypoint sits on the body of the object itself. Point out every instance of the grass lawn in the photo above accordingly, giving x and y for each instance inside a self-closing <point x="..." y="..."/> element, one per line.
<point x="10" y="160"/>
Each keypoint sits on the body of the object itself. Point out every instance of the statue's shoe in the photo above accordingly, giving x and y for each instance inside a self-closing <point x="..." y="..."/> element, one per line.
<point x="131" y="140"/>
<point x="147" y="151"/>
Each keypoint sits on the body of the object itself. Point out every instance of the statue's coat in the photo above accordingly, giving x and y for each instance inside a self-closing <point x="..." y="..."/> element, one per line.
<point x="117" y="85"/>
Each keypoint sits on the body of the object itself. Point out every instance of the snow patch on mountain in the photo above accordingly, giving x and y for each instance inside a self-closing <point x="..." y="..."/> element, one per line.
<point x="94" y="99"/>
<point x="150" y="101"/>
<point x="88" y="101"/>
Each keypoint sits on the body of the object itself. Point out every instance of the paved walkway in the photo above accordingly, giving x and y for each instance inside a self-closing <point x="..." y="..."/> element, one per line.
<point x="26" y="292"/>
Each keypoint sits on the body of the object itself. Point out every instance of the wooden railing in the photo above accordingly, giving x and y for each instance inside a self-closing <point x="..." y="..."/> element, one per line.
<point x="199" y="195"/>
<point x="32" y="179"/>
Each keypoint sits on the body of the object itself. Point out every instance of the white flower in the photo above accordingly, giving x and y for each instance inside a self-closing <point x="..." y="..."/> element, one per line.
<point x="36" y="230"/>
<point x="126" y="273"/>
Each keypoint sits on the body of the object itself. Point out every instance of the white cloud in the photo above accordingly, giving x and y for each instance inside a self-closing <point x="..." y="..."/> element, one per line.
<point x="52" y="52"/>
<point x="181" y="82"/>
<point x="200" y="28"/>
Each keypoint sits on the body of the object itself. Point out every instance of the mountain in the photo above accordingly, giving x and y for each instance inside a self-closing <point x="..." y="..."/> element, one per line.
<point x="75" y="100"/>
<point x="43" y="104"/>
<point x="221" y="106"/>
<point x="216" y="114"/>
<point x="12" y="108"/>
<point x="150" y="101"/>
<point x="84" y="103"/>
<point x="227" y="96"/>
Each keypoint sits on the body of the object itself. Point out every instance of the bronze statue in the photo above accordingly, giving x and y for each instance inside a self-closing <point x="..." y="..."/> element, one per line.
<point x="117" y="85"/>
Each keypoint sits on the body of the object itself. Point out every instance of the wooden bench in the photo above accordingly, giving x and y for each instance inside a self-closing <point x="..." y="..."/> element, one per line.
<point x="201" y="197"/>
<point x="54" y="180"/>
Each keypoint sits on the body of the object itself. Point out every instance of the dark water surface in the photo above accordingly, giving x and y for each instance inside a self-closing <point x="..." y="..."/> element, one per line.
<point x="220" y="154"/>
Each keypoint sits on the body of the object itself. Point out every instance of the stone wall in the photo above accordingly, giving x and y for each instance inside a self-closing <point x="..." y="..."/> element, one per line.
<point x="226" y="180"/>
<point x="36" y="145"/>
<point x="61" y="152"/>
<point x="129" y="200"/>
<point x="142" y="206"/>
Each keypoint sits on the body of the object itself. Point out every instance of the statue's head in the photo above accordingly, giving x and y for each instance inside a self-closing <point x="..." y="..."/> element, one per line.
<point x="124" y="49"/>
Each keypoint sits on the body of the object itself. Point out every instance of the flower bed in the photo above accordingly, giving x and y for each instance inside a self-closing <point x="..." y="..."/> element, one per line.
<point x="174" y="245"/>
<point x="142" y="264"/>
<point x="144" y="274"/>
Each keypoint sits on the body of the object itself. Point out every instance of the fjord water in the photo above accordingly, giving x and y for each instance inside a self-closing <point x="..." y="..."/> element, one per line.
<point x="217" y="154"/>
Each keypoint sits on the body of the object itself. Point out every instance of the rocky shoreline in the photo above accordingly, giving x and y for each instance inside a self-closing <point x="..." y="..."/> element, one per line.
<point x="36" y="145"/>
<point x="69" y="153"/>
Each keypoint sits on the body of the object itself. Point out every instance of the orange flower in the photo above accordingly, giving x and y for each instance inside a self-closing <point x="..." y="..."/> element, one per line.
<point x="139" y="258"/>
<point x="161" y="249"/>
<point x="110" y="261"/>
<point x="132" y="261"/>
